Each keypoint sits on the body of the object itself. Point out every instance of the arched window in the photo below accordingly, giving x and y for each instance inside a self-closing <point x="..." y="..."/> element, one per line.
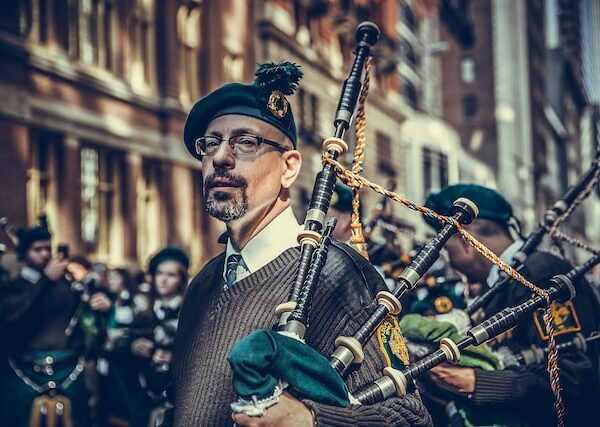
<point x="143" y="42"/>
<point x="98" y="33"/>
<point x="189" y="30"/>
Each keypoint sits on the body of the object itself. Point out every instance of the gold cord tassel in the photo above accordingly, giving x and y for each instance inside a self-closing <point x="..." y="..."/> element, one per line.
<point x="357" y="239"/>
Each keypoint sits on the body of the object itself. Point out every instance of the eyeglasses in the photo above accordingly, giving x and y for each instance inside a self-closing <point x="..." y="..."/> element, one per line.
<point x="240" y="144"/>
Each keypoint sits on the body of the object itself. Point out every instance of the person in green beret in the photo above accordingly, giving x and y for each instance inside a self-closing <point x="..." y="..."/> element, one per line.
<point x="522" y="391"/>
<point x="245" y="137"/>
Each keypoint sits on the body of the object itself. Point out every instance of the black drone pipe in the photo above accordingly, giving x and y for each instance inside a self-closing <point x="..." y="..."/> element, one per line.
<point x="396" y="383"/>
<point x="350" y="349"/>
<point x="533" y="241"/>
<point x="298" y="320"/>
<point x="367" y="35"/>
<point x="536" y="355"/>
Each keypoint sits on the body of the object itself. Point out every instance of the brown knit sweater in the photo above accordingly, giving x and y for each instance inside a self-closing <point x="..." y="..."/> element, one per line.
<point x="213" y="319"/>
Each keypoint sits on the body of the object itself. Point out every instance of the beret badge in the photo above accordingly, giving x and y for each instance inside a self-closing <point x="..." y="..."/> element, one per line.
<point x="278" y="105"/>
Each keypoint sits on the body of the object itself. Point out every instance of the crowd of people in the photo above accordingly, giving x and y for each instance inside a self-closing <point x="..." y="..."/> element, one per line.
<point x="86" y="345"/>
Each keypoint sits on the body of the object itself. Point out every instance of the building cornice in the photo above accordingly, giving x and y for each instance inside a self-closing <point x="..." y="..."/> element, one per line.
<point x="101" y="130"/>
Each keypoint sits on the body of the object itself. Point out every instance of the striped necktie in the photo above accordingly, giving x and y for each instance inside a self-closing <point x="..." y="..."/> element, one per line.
<point x="236" y="269"/>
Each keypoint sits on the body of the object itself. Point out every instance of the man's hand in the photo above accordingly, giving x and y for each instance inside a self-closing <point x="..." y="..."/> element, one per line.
<point x="463" y="379"/>
<point x="161" y="356"/>
<point x="100" y="302"/>
<point x="288" y="412"/>
<point x="142" y="347"/>
<point x="56" y="268"/>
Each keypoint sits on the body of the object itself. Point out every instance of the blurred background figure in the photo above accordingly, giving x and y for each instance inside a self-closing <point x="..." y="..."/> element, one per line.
<point x="50" y="323"/>
<point x="157" y="328"/>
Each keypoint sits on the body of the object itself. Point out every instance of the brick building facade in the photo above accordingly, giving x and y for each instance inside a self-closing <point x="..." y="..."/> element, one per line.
<point x="95" y="94"/>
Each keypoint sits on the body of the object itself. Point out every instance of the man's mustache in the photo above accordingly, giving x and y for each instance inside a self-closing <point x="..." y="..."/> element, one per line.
<point x="226" y="179"/>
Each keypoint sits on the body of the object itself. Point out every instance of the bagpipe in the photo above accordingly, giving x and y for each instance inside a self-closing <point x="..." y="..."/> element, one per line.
<point x="271" y="377"/>
<point x="551" y="220"/>
<point x="536" y="355"/>
<point x="395" y="382"/>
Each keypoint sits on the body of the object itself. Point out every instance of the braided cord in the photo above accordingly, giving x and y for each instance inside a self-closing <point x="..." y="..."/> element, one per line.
<point x="559" y="235"/>
<point x="355" y="180"/>
<point x="578" y="200"/>
<point x="552" y="366"/>
<point x="357" y="239"/>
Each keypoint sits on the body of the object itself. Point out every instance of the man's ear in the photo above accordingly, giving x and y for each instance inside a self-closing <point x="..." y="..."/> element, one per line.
<point x="290" y="167"/>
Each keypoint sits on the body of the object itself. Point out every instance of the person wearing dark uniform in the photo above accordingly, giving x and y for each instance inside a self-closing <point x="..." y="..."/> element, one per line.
<point x="522" y="393"/>
<point x="168" y="269"/>
<point x="245" y="137"/>
<point x="42" y="381"/>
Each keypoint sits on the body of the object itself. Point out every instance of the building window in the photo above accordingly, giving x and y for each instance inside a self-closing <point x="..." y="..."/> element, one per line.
<point x="189" y="30"/>
<point x="100" y="201"/>
<point x="41" y="176"/>
<point x="308" y="105"/>
<point x="467" y="70"/>
<point x="142" y="35"/>
<point x="110" y="34"/>
<point x="90" y="199"/>
<point x="408" y="17"/>
<point x="469" y="105"/>
<point x="233" y="67"/>
<point x="409" y="93"/>
<point x="435" y="170"/>
<point x="408" y="54"/>
<point x="97" y="33"/>
<point x="149" y="208"/>
<point x="384" y="154"/>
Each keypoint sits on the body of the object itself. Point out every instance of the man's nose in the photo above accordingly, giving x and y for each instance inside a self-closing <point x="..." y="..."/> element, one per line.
<point x="224" y="157"/>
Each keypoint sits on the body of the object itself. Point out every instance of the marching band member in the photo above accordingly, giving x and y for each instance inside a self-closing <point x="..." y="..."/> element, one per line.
<point x="521" y="392"/>
<point x="43" y="381"/>
<point x="245" y="137"/>
<point x="169" y="278"/>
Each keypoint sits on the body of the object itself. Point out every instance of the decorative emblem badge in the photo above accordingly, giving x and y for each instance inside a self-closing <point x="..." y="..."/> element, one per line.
<point x="391" y="343"/>
<point x="564" y="317"/>
<point x="278" y="105"/>
<point x="442" y="304"/>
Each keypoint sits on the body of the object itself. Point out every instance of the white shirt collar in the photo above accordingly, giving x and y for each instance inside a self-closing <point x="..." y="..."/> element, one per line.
<point x="505" y="256"/>
<point x="277" y="237"/>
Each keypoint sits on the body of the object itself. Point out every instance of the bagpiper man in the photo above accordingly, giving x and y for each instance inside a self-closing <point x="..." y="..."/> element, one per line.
<point x="42" y="381"/>
<point x="518" y="392"/>
<point x="245" y="137"/>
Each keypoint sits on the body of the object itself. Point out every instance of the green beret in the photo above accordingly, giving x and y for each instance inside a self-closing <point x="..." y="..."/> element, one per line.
<point x="169" y="253"/>
<point x="264" y="99"/>
<point x="492" y="205"/>
<point x="342" y="198"/>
